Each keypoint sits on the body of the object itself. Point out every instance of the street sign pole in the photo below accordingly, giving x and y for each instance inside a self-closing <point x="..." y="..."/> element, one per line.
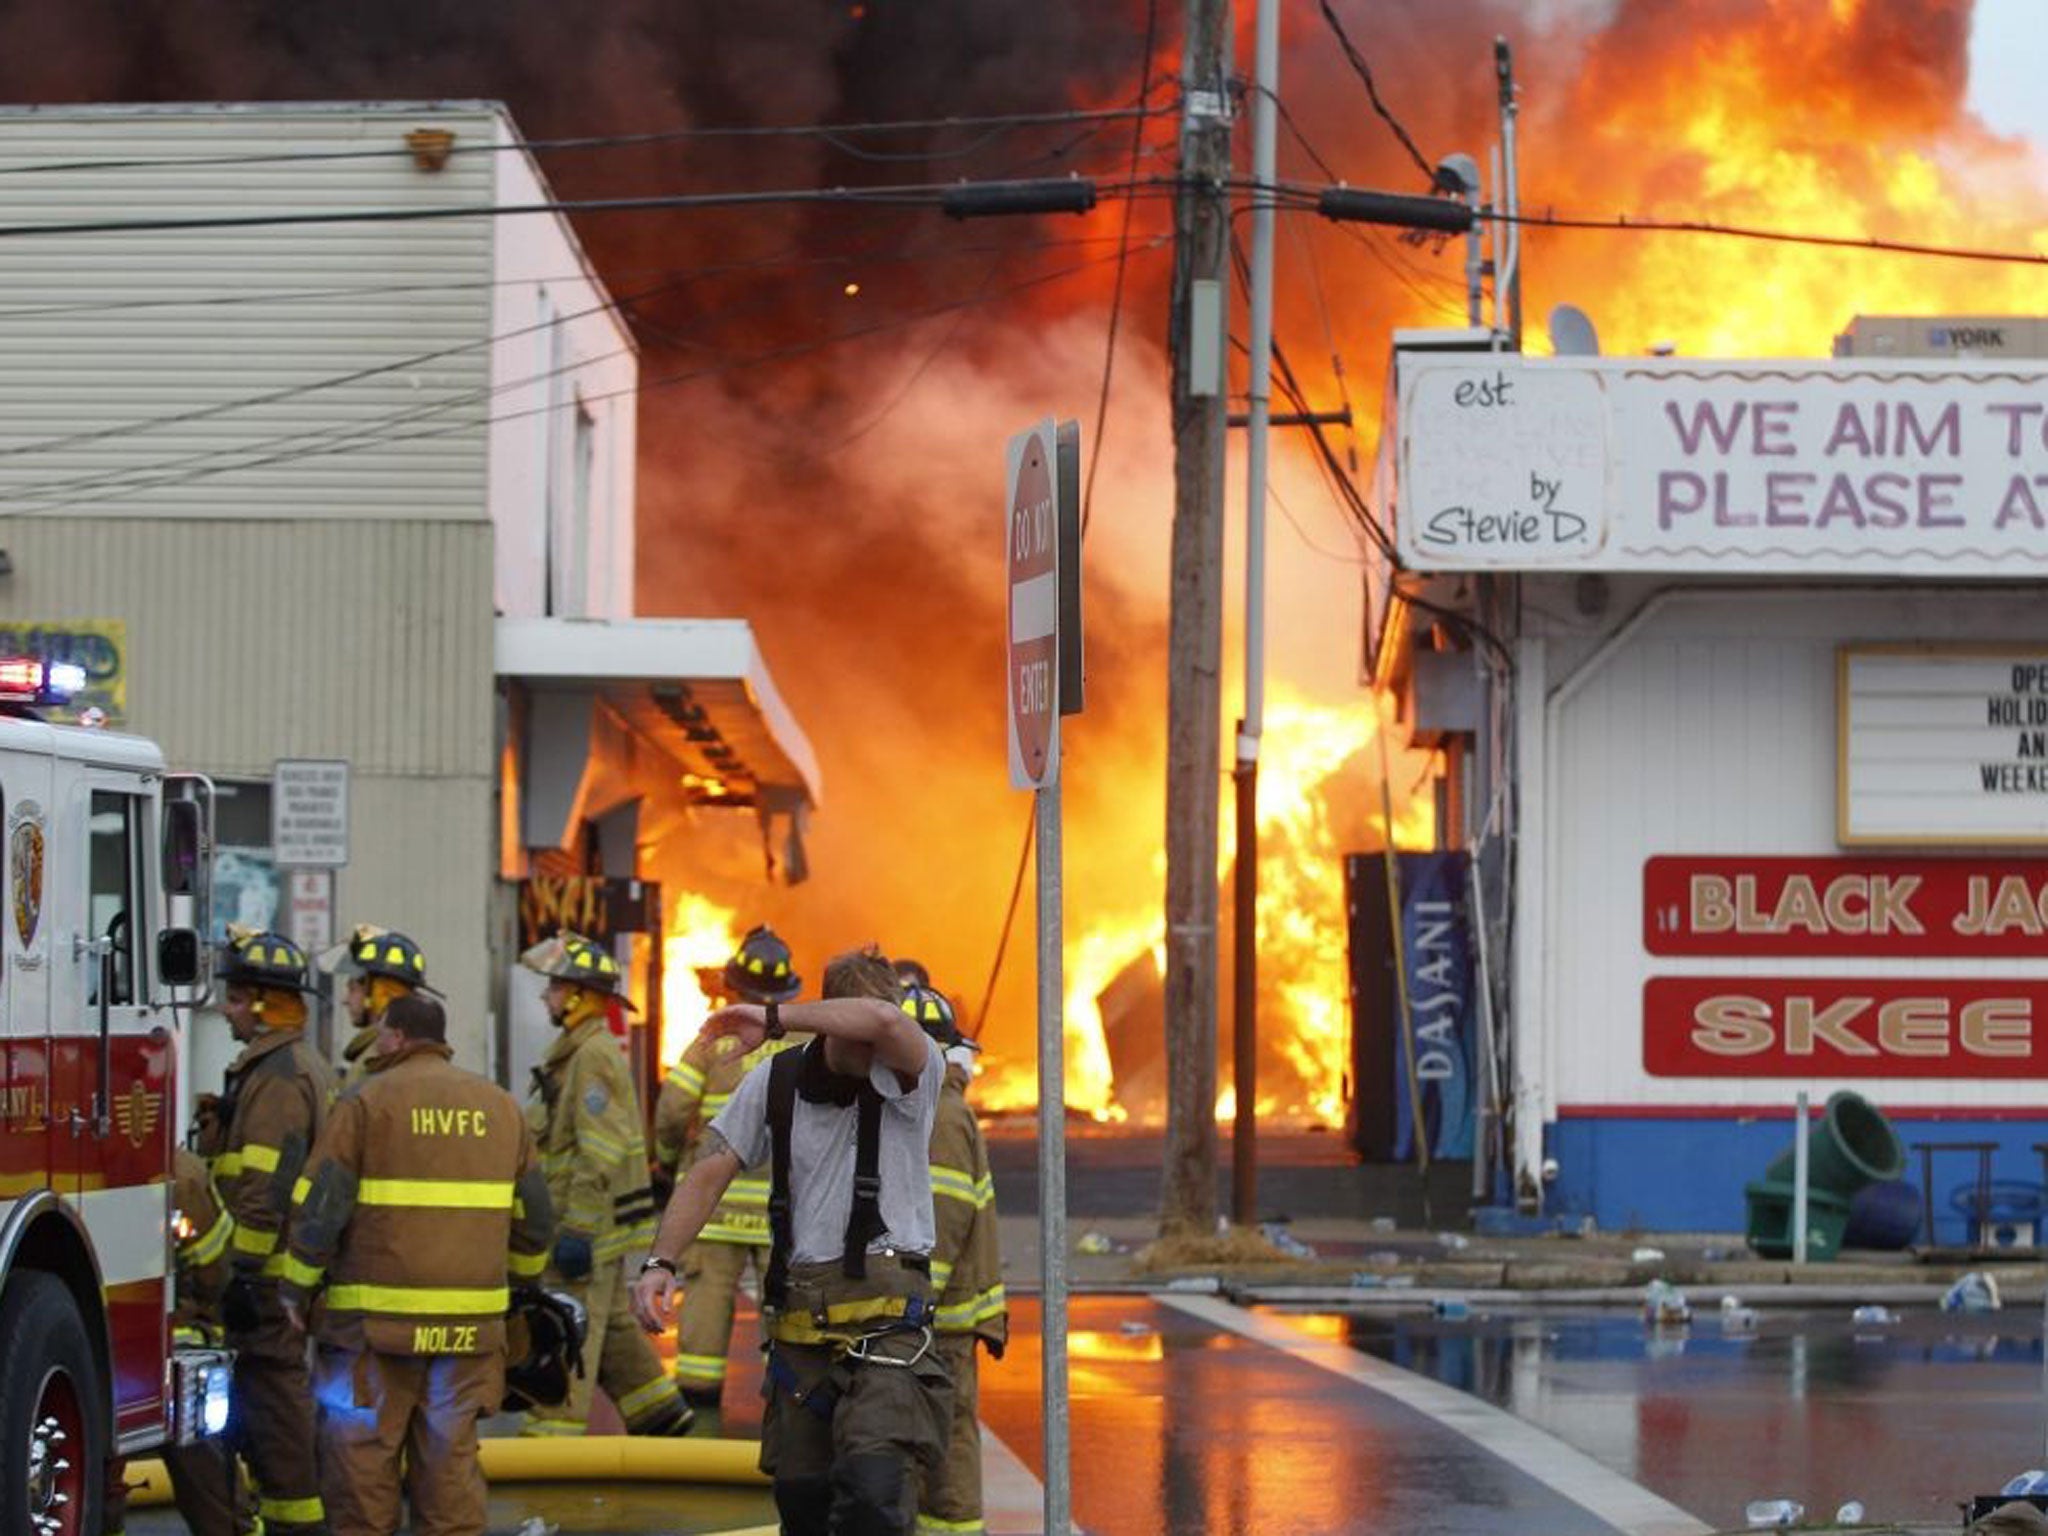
<point x="1037" y="523"/>
<point x="1052" y="1160"/>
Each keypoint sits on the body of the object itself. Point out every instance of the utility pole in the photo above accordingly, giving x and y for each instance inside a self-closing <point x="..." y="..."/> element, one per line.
<point x="1197" y="330"/>
<point x="1244" y="1138"/>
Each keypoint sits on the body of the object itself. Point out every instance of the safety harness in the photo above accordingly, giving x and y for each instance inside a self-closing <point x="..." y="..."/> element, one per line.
<point x="851" y="1327"/>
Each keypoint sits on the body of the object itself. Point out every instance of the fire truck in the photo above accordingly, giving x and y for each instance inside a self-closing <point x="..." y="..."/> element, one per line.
<point x="104" y="871"/>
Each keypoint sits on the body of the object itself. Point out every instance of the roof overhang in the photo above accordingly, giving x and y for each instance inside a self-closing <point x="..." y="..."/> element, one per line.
<point x="617" y="708"/>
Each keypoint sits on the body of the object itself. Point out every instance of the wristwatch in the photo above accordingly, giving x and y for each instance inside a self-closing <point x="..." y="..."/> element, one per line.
<point x="776" y="1029"/>
<point x="656" y="1261"/>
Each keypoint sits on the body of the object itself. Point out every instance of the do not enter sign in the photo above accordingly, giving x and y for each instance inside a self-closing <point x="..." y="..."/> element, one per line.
<point x="1031" y="530"/>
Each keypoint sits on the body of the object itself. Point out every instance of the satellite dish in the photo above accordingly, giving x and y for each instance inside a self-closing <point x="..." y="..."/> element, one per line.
<point x="1572" y="333"/>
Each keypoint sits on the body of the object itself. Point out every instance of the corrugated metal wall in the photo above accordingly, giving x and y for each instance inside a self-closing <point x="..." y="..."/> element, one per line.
<point x="1711" y="730"/>
<point x="368" y="641"/>
<point x="341" y="370"/>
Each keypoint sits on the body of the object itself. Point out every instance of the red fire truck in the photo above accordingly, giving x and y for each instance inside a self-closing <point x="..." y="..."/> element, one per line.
<point x="100" y="850"/>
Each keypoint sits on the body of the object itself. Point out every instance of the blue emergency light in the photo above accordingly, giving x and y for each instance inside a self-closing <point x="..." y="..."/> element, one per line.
<point x="30" y="680"/>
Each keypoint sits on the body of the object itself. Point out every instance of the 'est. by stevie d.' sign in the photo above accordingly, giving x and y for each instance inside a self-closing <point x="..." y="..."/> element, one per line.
<point x="1855" y="1026"/>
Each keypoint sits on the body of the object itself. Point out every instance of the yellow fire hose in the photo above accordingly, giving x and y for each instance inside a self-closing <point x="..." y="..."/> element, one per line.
<point x="577" y="1459"/>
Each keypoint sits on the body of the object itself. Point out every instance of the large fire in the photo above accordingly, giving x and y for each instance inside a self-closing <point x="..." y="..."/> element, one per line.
<point x="1318" y="780"/>
<point x="701" y="935"/>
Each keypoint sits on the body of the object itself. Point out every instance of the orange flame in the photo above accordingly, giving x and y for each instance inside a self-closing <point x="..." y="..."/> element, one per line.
<point x="700" y="932"/>
<point x="1318" y="800"/>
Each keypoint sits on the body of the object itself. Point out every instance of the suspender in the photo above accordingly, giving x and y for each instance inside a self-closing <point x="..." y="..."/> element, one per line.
<point x="782" y="1075"/>
<point x="863" y="1222"/>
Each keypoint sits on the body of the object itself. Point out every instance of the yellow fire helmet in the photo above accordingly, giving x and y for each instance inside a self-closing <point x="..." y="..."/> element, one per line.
<point x="571" y="957"/>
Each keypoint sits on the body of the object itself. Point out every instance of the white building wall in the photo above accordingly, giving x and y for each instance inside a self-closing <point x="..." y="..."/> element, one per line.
<point x="303" y="370"/>
<point x="1707" y="725"/>
<point x="560" y="351"/>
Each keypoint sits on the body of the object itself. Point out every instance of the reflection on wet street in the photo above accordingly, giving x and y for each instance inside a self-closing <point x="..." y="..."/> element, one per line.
<point x="1179" y="1428"/>
<point x="1911" y="1418"/>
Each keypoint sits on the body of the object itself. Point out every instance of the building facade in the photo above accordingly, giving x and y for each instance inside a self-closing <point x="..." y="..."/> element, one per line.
<point x="295" y="417"/>
<point x="1753" y="773"/>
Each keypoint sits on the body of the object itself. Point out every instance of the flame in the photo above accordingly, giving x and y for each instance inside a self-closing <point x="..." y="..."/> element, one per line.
<point x="700" y="932"/>
<point x="1318" y="799"/>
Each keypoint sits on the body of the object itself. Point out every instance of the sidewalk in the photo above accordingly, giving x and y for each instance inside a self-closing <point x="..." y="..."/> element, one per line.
<point x="1357" y="1263"/>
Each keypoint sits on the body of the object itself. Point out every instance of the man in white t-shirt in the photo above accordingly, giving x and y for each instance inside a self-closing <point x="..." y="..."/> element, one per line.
<point x="858" y="1400"/>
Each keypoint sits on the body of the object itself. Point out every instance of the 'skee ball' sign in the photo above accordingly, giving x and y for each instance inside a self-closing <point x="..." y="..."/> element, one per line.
<point x="1859" y="1027"/>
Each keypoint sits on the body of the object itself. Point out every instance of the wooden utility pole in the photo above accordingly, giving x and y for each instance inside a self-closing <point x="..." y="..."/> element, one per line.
<point x="1197" y="330"/>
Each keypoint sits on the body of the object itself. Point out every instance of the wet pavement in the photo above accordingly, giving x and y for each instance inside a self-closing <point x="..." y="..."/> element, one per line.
<point x="1180" y="1426"/>
<point x="1910" y="1418"/>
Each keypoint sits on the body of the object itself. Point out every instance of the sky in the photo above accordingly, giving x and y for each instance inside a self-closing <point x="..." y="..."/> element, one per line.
<point x="2008" y="62"/>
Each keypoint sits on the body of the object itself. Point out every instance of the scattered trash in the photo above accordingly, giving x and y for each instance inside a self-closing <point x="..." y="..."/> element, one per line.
<point x="1763" y="1514"/>
<point x="1286" y="1241"/>
<point x="1664" y="1302"/>
<point x="1400" y="1282"/>
<point x="1452" y="1307"/>
<point x="1383" y="1223"/>
<point x="1874" y="1316"/>
<point x="1365" y="1279"/>
<point x="1094" y="1242"/>
<point x="1975" y="1292"/>
<point x="1738" y="1319"/>
<point x="1713" y="1255"/>
<point x="1200" y="1285"/>
<point x="1383" y="1256"/>
<point x="2034" y="1481"/>
<point x="1647" y="1256"/>
<point x="1730" y="1302"/>
<point x="536" y="1526"/>
<point x="1453" y="1242"/>
<point x="1850" y="1513"/>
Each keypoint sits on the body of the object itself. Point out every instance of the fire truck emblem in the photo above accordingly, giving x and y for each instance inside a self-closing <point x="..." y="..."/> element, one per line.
<point x="136" y="1112"/>
<point x="25" y="871"/>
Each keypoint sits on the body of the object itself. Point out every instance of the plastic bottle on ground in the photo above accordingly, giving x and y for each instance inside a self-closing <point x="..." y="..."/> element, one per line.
<point x="1874" y="1316"/>
<point x="1974" y="1292"/>
<point x="1850" y="1513"/>
<point x="1763" y="1514"/>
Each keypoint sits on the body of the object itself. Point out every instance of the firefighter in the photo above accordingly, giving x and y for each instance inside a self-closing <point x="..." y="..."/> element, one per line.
<point x="380" y="965"/>
<point x="423" y="1198"/>
<point x="858" y="1401"/>
<point x="967" y="1272"/>
<point x="587" y="1123"/>
<point x="696" y="1089"/>
<point x="255" y="1138"/>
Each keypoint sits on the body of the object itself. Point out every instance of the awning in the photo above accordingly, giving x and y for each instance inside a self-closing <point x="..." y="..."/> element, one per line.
<point x="622" y="709"/>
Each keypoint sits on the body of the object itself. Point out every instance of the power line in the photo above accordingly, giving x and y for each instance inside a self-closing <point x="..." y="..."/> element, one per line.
<point x="1116" y="295"/>
<point x="825" y="131"/>
<point x="1364" y="72"/>
<point x="773" y="355"/>
<point x="1626" y="224"/>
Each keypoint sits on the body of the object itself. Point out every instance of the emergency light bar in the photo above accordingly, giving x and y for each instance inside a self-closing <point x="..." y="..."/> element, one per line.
<point x="30" y="680"/>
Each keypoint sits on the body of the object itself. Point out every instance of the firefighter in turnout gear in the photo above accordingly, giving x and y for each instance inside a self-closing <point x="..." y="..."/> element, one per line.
<point x="858" y="1403"/>
<point x="422" y="1204"/>
<point x="587" y="1123"/>
<point x="255" y="1138"/>
<point x="967" y="1272"/>
<point x="697" y="1088"/>
<point x="381" y="965"/>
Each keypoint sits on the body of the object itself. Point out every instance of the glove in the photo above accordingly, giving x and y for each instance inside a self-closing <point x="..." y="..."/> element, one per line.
<point x="238" y="1308"/>
<point x="573" y="1258"/>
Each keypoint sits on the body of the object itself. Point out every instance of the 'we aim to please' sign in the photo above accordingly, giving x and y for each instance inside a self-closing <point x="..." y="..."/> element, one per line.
<point x="1634" y="464"/>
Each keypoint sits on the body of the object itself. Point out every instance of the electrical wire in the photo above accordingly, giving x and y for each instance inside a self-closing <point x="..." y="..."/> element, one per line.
<point x="773" y="355"/>
<point x="1626" y="224"/>
<point x="1364" y="72"/>
<point x="1116" y="296"/>
<point x="824" y="131"/>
